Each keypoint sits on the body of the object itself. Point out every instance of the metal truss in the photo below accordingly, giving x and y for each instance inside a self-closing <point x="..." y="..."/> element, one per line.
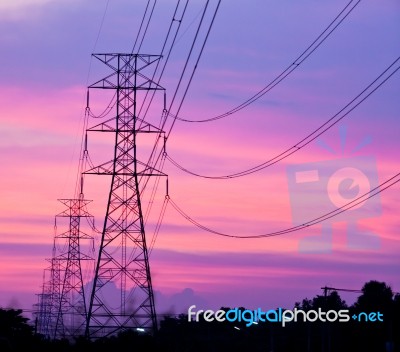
<point x="122" y="295"/>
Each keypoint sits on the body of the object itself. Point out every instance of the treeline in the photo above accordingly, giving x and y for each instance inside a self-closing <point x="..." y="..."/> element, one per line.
<point x="366" y="330"/>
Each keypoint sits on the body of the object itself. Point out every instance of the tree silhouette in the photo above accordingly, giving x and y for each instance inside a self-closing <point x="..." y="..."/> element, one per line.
<point x="178" y="334"/>
<point x="376" y="296"/>
<point x="15" y="331"/>
<point x="375" y="336"/>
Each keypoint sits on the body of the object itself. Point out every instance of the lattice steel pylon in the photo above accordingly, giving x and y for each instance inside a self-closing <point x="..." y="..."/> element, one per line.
<point x="61" y="311"/>
<point x="123" y="262"/>
<point x="71" y="308"/>
<point x="46" y="308"/>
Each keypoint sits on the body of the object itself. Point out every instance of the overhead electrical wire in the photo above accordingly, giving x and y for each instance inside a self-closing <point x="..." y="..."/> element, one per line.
<point x="60" y="254"/>
<point x="342" y="113"/>
<point x="153" y="79"/>
<point x="303" y="56"/>
<point x="152" y="155"/>
<point x="84" y="156"/>
<point x="174" y="20"/>
<point x="373" y="192"/>
<point x="158" y="79"/>
<point x="154" y="150"/>
<point x="162" y="152"/>
<point x="188" y="26"/>
<point x="113" y="102"/>
<point x="286" y="72"/>
<point x="147" y="26"/>
<point x="307" y="51"/>
<point x="195" y="66"/>
<point x="79" y="176"/>
<point x="141" y="25"/>
<point x="153" y="193"/>
<point x="191" y="77"/>
<point x="160" y="134"/>
<point x="106" y="111"/>
<point x="323" y="128"/>
<point x="158" y="225"/>
<point x="186" y="62"/>
<point x="154" y="159"/>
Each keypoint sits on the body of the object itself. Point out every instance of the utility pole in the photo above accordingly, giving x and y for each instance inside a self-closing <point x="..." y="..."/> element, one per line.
<point x="327" y="290"/>
<point x="123" y="262"/>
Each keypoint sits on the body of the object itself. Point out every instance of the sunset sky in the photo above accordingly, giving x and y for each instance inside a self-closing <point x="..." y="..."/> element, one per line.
<point x="46" y="67"/>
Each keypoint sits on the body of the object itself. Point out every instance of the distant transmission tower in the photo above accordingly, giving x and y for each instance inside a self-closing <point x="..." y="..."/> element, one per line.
<point x="46" y="308"/>
<point x="41" y="312"/>
<point x="61" y="311"/>
<point x="123" y="263"/>
<point x="71" y="308"/>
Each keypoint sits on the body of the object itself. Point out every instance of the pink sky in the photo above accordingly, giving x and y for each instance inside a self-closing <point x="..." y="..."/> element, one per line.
<point x="44" y="70"/>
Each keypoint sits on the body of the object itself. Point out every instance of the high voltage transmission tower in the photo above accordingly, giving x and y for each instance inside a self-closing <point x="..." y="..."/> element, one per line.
<point x="45" y="309"/>
<point x="61" y="311"/>
<point x="71" y="307"/>
<point x="123" y="262"/>
<point x="118" y="294"/>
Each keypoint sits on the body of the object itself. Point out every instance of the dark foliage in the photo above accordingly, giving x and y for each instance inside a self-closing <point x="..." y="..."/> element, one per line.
<point x="177" y="334"/>
<point x="15" y="332"/>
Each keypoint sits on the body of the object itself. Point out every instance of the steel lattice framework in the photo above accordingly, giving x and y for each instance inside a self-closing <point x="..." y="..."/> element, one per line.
<point x="61" y="311"/>
<point x="46" y="308"/>
<point x="123" y="262"/>
<point x="72" y="306"/>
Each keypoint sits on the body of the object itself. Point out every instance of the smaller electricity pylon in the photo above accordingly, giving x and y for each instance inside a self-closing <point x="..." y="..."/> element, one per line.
<point x="45" y="310"/>
<point x="61" y="309"/>
<point x="72" y="306"/>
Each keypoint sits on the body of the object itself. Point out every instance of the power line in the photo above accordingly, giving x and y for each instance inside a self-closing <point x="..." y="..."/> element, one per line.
<point x="342" y="113"/>
<point x="373" y="192"/>
<point x="286" y="72"/>
<point x="141" y="25"/>
<point x="177" y="18"/>
<point x="147" y="26"/>
<point x="159" y="157"/>
<point x="187" y="61"/>
<point x="326" y="289"/>
<point x="155" y="158"/>
<point x="173" y="21"/>
<point x="195" y="66"/>
<point x="79" y="178"/>
<point x="101" y="27"/>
